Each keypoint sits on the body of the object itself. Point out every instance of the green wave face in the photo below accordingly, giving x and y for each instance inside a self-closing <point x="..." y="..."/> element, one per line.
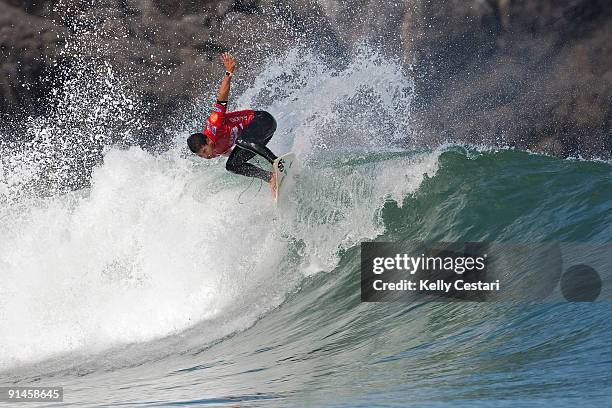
<point x="281" y="322"/>
<point x="334" y="350"/>
<point x="507" y="196"/>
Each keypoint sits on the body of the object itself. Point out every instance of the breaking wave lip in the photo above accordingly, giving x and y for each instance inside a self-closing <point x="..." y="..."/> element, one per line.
<point x="155" y="235"/>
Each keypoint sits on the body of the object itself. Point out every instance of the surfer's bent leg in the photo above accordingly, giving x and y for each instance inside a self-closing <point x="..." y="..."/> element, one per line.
<point x="237" y="163"/>
<point x="257" y="148"/>
<point x="253" y="141"/>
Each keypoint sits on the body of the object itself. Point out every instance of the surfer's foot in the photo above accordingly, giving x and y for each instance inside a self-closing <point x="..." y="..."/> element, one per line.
<point x="273" y="184"/>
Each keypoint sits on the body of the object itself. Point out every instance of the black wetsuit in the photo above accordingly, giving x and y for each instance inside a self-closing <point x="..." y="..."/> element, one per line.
<point x="252" y="141"/>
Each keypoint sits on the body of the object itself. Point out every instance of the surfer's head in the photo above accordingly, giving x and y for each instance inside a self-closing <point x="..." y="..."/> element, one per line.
<point x="200" y="145"/>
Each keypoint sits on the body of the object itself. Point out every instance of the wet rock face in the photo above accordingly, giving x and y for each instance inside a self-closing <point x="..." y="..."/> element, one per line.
<point x="534" y="74"/>
<point x="168" y="49"/>
<point x="164" y="47"/>
<point x="28" y="46"/>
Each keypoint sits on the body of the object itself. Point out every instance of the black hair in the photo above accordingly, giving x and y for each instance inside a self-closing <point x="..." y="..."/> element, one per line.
<point x="197" y="141"/>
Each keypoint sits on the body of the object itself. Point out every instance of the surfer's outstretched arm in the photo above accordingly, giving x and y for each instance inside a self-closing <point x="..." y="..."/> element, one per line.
<point x="230" y="66"/>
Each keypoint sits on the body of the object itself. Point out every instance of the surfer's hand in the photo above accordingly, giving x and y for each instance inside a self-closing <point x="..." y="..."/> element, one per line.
<point x="228" y="62"/>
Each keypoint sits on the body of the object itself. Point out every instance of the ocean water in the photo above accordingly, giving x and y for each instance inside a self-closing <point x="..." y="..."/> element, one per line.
<point x="163" y="280"/>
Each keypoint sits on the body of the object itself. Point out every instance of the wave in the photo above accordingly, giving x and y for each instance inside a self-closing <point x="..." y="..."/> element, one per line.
<point x="168" y="268"/>
<point x="160" y="242"/>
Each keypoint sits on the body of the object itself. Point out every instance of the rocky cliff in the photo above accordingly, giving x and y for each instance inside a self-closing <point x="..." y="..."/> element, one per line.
<point x="535" y="74"/>
<point x="532" y="74"/>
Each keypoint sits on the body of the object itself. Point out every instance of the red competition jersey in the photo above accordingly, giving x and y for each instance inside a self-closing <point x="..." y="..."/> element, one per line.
<point x="223" y="128"/>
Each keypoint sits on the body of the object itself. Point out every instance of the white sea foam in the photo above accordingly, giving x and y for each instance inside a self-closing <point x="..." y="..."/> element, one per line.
<point x="160" y="243"/>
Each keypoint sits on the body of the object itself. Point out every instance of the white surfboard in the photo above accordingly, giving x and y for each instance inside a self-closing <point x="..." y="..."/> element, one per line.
<point x="284" y="168"/>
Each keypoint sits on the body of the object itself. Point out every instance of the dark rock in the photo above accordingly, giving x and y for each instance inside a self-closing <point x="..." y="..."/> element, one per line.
<point x="28" y="46"/>
<point x="523" y="73"/>
<point x="534" y="74"/>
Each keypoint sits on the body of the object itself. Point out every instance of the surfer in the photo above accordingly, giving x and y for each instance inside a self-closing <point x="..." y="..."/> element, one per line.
<point x="239" y="134"/>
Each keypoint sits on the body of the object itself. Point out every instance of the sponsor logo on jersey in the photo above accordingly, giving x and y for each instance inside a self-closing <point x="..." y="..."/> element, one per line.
<point x="216" y="109"/>
<point x="237" y="118"/>
<point x="214" y="130"/>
